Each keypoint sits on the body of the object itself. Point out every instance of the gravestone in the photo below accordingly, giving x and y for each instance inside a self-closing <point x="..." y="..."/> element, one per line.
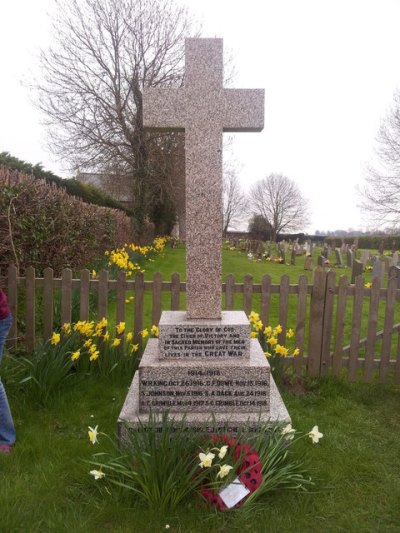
<point x="377" y="269"/>
<point x="204" y="362"/>
<point x="339" y="260"/>
<point x="293" y="255"/>
<point x="394" y="272"/>
<point x="395" y="258"/>
<point x="325" y="251"/>
<point x="269" y="249"/>
<point x="364" y="257"/>
<point x="308" y="263"/>
<point x="350" y="258"/>
<point x="321" y="260"/>
<point x="357" y="270"/>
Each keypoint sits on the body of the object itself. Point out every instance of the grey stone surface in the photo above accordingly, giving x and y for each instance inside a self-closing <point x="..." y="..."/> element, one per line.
<point x="203" y="109"/>
<point x="195" y="386"/>
<point x="183" y="338"/>
<point x="338" y="254"/>
<point x="233" y="422"/>
<point x="377" y="269"/>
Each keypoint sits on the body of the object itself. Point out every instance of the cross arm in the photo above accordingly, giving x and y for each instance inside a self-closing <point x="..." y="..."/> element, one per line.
<point x="244" y="109"/>
<point x="163" y="109"/>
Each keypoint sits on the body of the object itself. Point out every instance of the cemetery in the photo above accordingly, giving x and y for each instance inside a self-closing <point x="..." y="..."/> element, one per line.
<point x="164" y="383"/>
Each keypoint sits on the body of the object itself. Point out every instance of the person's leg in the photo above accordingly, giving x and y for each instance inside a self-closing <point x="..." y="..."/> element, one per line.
<point x="7" y="430"/>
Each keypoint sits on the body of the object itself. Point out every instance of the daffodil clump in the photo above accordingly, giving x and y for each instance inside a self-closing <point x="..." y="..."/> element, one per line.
<point x="130" y="257"/>
<point x="268" y="337"/>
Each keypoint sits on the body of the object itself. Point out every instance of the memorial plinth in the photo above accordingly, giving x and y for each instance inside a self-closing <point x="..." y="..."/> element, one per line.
<point x="204" y="368"/>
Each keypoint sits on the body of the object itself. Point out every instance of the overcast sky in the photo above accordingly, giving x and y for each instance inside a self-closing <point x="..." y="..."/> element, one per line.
<point x="329" y="69"/>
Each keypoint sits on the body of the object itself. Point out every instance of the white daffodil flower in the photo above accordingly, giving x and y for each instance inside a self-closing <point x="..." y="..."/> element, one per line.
<point x="288" y="431"/>
<point x="93" y="434"/>
<point x="98" y="474"/>
<point x="222" y="452"/>
<point x="224" y="470"/>
<point x="206" y="459"/>
<point x="315" y="435"/>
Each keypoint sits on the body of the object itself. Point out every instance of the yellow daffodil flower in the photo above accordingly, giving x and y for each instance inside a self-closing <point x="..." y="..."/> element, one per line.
<point x="106" y="336"/>
<point x="296" y="352"/>
<point x="67" y="328"/>
<point x="120" y="328"/>
<point x="93" y="274"/>
<point x="289" y="333"/>
<point x="115" y="343"/>
<point x="144" y="333"/>
<point x="94" y="356"/>
<point x="154" y="331"/>
<point x="224" y="471"/>
<point x="75" y="356"/>
<point x="268" y="331"/>
<point x="92" y="348"/>
<point x="272" y="340"/>
<point x="368" y="285"/>
<point x="258" y="325"/>
<point x="88" y="343"/>
<point x="278" y="329"/>
<point x="267" y="354"/>
<point x="134" y="348"/>
<point x="206" y="459"/>
<point x="129" y="336"/>
<point x="55" y="339"/>
<point x="315" y="435"/>
<point x="93" y="434"/>
<point x="253" y="334"/>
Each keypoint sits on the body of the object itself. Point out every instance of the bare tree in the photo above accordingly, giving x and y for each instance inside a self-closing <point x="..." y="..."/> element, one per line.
<point x="279" y="201"/>
<point x="381" y="193"/>
<point x="103" y="54"/>
<point x="235" y="201"/>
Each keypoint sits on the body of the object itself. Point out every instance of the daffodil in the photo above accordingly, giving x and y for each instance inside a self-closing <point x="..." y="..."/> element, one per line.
<point x="92" y="348"/>
<point x="134" y="348"/>
<point x="55" y="338"/>
<point x="75" y="356"/>
<point x="222" y="451"/>
<point x="296" y="352"/>
<point x="253" y="334"/>
<point x="258" y="325"/>
<point x="272" y="340"/>
<point x="116" y="342"/>
<point x="154" y="331"/>
<point x="267" y="354"/>
<point x="88" y="343"/>
<point x="120" y="328"/>
<point x="278" y="329"/>
<point x="268" y="331"/>
<point x="289" y="333"/>
<point x="98" y="474"/>
<point x="224" y="471"/>
<point x="66" y="328"/>
<point x="144" y="333"/>
<point x="315" y="435"/>
<point x="93" y="274"/>
<point x="368" y="285"/>
<point x="288" y="431"/>
<point x="93" y="434"/>
<point x="129" y="336"/>
<point x="94" y="356"/>
<point x="206" y="459"/>
<point x="106" y="336"/>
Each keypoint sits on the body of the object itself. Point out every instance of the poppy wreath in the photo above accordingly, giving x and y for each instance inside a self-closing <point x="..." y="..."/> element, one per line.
<point x="248" y="470"/>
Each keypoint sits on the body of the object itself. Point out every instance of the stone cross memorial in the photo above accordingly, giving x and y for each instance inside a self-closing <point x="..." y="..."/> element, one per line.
<point x="204" y="362"/>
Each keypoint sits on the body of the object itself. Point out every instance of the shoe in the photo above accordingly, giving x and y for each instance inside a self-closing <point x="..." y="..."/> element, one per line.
<point x="5" y="448"/>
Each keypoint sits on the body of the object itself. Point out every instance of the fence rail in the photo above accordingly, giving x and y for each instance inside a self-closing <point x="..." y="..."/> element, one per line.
<point x="337" y="325"/>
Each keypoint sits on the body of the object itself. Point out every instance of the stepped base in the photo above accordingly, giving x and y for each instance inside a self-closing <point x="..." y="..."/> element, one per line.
<point x="231" y="423"/>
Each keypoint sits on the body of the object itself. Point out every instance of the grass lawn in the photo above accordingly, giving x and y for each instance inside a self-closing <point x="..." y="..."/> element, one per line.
<point x="45" y="485"/>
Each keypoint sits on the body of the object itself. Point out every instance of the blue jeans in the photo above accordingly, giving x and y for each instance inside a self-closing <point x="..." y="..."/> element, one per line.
<point x="7" y="430"/>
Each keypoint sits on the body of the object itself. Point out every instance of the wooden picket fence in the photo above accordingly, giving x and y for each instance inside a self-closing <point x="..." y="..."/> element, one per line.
<point x="338" y="326"/>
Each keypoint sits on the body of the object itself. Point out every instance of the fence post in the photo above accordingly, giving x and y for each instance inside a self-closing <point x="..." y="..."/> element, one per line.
<point x="66" y="296"/>
<point x="139" y="295"/>
<point x="230" y="291"/>
<point x="103" y="294"/>
<point x="283" y="306"/>
<point x="327" y="324"/>
<point x="12" y="295"/>
<point x="157" y="297"/>
<point x="30" y="308"/>
<point x="48" y="312"/>
<point x="247" y="293"/>
<point x="316" y="322"/>
<point x="175" y="291"/>
<point x="265" y="299"/>
<point x="84" y="293"/>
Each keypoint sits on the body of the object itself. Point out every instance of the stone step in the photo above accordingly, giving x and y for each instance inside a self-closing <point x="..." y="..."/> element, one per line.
<point x="216" y="385"/>
<point x="225" y="338"/>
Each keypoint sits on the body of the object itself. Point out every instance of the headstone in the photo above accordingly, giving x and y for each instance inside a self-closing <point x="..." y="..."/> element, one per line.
<point x="339" y="260"/>
<point x="269" y="249"/>
<point x="350" y="258"/>
<point x="321" y="260"/>
<point x="325" y="251"/>
<point x="382" y="246"/>
<point x="293" y="255"/>
<point x="308" y="263"/>
<point x="377" y="269"/>
<point x="204" y="369"/>
<point x="394" y="272"/>
<point x="357" y="270"/>
<point x="364" y="257"/>
<point x="311" y="248"/>
<point x="388" y="262"/>
<point x="395" y="258"/>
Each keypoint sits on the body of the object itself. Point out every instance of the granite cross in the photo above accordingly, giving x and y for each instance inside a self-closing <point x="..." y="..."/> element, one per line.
<point x="203" y="109"/>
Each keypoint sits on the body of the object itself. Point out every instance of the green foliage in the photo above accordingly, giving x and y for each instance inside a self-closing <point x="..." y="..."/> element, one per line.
<point x="259" y="228"/>
<point x="369" y="242"/>
<point x="87" y="192"/>
<point x="48" y="227"/>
